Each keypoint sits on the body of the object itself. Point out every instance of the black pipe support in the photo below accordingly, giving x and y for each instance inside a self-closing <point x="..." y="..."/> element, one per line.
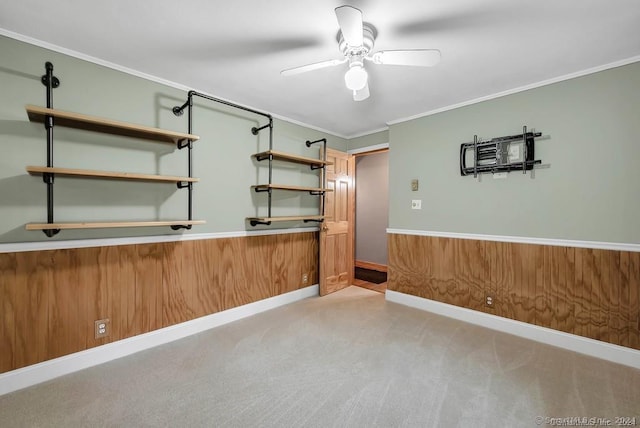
<point x="256" y="130"/>
<point x="184" y="143"/>
<point x="50" y="82"/>
<point x="178" y="110"/>
<point x="321" y="140"/>
<point x="180" y="226"/>
<point x="51" y="232"/>
<point x="49" y="77"/>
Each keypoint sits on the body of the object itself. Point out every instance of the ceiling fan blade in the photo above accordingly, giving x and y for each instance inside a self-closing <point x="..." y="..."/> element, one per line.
<point x="350" y="22"/>
<point x="311" y="67"/>
<point x="415" y="57"/>
<point x="361" y="94"/>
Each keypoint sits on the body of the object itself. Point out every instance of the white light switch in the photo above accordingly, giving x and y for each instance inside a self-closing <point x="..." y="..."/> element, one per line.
<point x="416" y="204"/>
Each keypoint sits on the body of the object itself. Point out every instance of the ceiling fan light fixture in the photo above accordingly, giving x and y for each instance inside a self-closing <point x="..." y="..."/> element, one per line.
<point x="356" y="77"/>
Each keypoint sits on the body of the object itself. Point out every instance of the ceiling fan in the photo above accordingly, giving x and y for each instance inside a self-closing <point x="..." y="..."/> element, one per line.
<point x="356" y="40"/>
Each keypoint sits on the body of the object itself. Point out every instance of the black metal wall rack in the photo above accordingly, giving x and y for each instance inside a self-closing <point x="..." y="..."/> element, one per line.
<point x="270" y="155"/>
<point x="188" y="104"/>
<point x="313" y="163"/>
<point x="50" y="117"/>
<point x="501" y="154"/>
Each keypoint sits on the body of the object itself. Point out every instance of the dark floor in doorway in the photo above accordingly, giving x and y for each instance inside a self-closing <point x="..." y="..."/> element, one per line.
<point x="370" y="275"/>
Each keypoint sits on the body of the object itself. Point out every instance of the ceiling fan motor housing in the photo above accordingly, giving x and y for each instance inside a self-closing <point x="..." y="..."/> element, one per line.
<point x="368" y="40"/>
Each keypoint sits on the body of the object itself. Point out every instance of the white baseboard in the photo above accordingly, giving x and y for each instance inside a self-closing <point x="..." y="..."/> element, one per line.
<point x="594" y="348"/>
<point x="47" y="370"/>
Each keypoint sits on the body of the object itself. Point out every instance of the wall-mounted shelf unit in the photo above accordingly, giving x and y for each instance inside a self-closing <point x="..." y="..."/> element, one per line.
<point x="269" y="220"/>
<point x="314" y="163"/>
<point x="501" y="154"/>
<point x="175" y="224"/>
<point x="311" y="190"/>
<point x="88" y="173"/>
<point x="50" y="117"/>
<point x="270" y="155"/>
<point x="107" y="126"/>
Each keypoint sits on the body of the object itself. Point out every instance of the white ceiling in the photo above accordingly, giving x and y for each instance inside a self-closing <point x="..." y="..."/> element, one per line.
<point x="236" y="49"/>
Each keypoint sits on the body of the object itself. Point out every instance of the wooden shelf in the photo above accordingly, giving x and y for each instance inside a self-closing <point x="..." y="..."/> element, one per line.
<point x="87" y="173"/>
<point x="265" y="187"/>
<point x="291" y="158"/>
<point x="104" y="225"/>
<point x="107" y="126"/>
<point x="287" y="218"/>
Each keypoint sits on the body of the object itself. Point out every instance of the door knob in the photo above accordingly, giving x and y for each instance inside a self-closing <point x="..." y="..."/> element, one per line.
<point x="325" y="227"/>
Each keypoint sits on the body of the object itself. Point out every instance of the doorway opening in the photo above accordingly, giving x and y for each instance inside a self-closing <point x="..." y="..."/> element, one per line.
<point x="371" y="178"/>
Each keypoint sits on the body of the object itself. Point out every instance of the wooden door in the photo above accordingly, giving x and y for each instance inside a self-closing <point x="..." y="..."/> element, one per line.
<point x="336" y="233"/>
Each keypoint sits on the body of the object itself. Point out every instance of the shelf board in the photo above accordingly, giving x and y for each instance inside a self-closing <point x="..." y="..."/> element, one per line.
<point x="88" y="173"/>
<point x="104" y="225"/>
<point x="107" y="126"/>
<point x="286" y="218"/>
<point x="265" y="187"/>
<point x="291" y="158"/>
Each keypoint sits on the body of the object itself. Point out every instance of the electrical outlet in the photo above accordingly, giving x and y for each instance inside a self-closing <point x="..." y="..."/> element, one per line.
<point x="489" y="299"/>
<point x="414" y="185"/>
<point x="102" y="328"/>
<point x="305" y="279"/>
<point x="416" y="204"/>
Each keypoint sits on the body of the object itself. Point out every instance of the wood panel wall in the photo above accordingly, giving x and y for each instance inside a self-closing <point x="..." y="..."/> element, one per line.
<point x="51" y="299"/>
<point x="587" y="292"/>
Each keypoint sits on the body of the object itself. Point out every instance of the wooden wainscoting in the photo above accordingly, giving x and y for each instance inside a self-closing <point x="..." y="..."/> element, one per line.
<point x="370" y="265"/>
<point x="588" y="292"/>
<point x="50" y="299"/>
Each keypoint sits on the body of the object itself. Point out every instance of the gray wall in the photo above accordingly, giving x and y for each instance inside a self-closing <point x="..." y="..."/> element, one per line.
<point x="381" y="137"/>
<point x="372" y="209"/>
<point x="222" y="157"/>
<point x="590" y="192"/>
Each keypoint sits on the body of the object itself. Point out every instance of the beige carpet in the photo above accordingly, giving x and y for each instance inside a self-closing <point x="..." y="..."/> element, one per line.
<point x="350" y="359"/>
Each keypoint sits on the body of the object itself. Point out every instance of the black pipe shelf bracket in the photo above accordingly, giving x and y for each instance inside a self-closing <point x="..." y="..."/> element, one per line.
<point x="50" y="117"/>
<point x="500" y="154"/>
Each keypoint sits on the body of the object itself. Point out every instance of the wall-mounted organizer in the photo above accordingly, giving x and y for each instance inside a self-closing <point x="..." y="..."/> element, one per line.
<point x="50" y="117"/>
<point x="314" y="163"/>
<point x="501" y="154"/>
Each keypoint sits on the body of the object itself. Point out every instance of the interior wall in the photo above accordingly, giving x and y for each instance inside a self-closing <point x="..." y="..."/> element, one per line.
<point x="49" y="300"/>
<point x="222" y="157"/>
<point x="583" y="291"/>
<point x="589" y="193"/>
<point x="373" y="139"/>
<point x="372" y="207"/>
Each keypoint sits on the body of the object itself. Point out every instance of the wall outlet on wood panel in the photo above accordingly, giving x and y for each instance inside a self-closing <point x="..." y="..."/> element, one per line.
<point x="489" y="299"/>
<point x="305" y="279"/>
<point x="102" y="328"/>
